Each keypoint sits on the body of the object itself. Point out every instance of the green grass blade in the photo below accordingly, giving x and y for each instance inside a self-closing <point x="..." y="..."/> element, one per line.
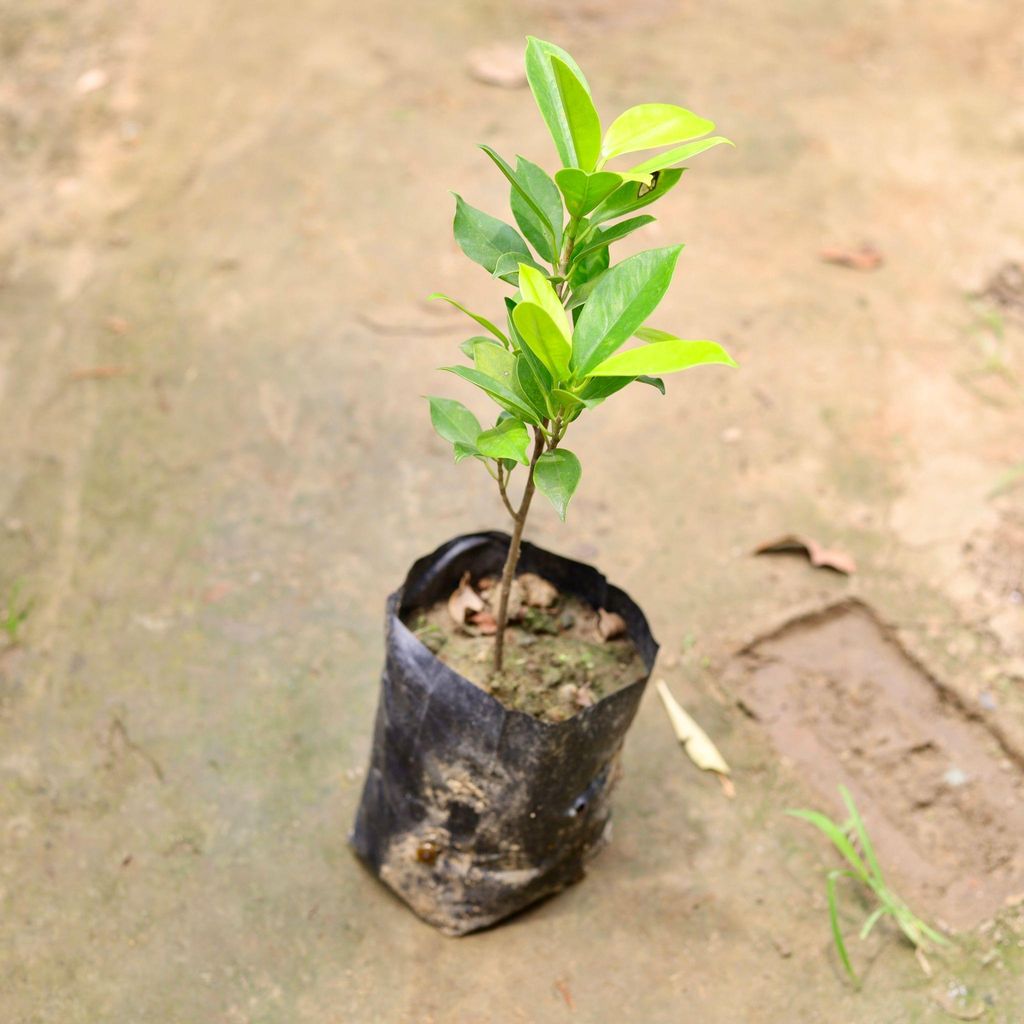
<point x="870" y="923"/>
<point x="838" y="838"/>
<point x="837" y="934"/>
<point x="862" y="835"/>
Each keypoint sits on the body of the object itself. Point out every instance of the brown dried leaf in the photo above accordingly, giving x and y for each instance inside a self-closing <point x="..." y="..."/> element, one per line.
<point x="821" y="557"/>
<point x="610" y="625"/>
<point x="537" y="592"/>
<point x="485" y="622"/>
<point x="498" y="65"/>
<point x="464" y="600"/>
<point x="862" y="257"/>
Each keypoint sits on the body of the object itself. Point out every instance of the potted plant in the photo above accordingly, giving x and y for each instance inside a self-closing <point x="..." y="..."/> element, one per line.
<point x="512" y="674"/>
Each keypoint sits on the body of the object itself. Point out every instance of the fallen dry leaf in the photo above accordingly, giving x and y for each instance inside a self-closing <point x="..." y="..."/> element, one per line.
<point x="862" y="257"/>
<point x="498" y="65"/>
<point x="609" y="624"/>
<point x="463" y="600"/>
<point x="537" y="592"/>
<point x="100" y="372"/>
<point x="821" y="557"/>
<point x="696" y="742"/>
<point x="485" y="622"/>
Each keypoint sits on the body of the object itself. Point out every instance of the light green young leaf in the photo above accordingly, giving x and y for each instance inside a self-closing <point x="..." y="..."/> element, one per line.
<point x="482" y="321"/>
<point x="650" y="125"/>
<point x="536" y="288"/>
<point x="632" y="196"/>
<point x="544" y="337"/>
<point x="500" y="392"/>
<point x="495" y="361"/>
<point x="626" y="295"/>
<point x="522" y="191"/>
<point x="566" y="399"/>
<point x="483" y="238"/>
<point x="540" y="73"/>
<point x="662" y="357"/>
<point x="546" y="196"/>
<point x="838" y="838"/>
<point x="581" y="117"/>
<point x="557" y="475"/>
<point x="584" y="190"/>
<point x="602" y="237"/>
<point x="465" y="450"/>
<point x="452" y="420"/>
<point x="508" y="440"/>
<point x="677" y="156"/>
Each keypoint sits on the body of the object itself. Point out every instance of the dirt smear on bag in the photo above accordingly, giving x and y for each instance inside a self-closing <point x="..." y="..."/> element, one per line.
<point x="844" y="702"/>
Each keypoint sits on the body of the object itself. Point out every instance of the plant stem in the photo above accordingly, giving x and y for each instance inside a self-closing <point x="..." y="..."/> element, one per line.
<point x="509" y="572"/>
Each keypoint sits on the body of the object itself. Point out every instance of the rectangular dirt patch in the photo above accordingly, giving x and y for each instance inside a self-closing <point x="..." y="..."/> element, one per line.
<point x="941" y="797"/>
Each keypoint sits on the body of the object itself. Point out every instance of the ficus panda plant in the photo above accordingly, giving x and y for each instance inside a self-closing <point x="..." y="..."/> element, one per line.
<point x="558" y="350"/>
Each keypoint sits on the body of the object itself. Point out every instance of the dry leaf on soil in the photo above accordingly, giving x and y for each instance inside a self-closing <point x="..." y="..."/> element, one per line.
<point x="821" y="557"/>
<point x="696" y="742"/>
<point x="536" y="590"/>
<point x="861" y="257"/>
<point x="485" y="622"/>
<point x="464" y="600"/>
<point x="610" y="625"/>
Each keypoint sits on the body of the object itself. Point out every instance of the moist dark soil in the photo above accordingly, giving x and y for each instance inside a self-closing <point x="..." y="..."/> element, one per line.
<point x="556" y="661"/>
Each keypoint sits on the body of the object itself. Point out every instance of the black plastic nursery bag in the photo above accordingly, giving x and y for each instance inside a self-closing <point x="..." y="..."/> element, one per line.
<point x="472" y="811"/>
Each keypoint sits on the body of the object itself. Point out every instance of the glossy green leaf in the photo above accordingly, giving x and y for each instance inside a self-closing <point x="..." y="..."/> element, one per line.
<point x="591" y="266"/>
<point x="597" y="389"/>
<point x="655" y="382"/>
<point x="498" y="390"/>
<point x="536" y="288"/>
<point x="603" y="237"/>
<point x="676" y="156"/>
<point x="544" y="337"/>
<point x="465" y="450"/>
<point x="581" y="292"/>
<point x="495" y="361"/>
<point x="581" y="117"/>
<point x="662" y="357"/>
<point x="522" y="192"/>
<point x="546" y="197"/>
<point x="507" y="267"/>
<point x="557" y="474"/>
<point x="533" y="383"/>
<point x="508" y="440"/>
<point x="632" y="196"/>
<point x="452" y="420"/>
<point x="483" y="238"/>
<point x="653" y="334"/>
<point x="566" y="399"/>
<point x="625" y="297"/>
<point x="482" y="321"/>
<point x="584" y="190"/>
<point x="651" y="125"/>
<point x="540" y="73"/>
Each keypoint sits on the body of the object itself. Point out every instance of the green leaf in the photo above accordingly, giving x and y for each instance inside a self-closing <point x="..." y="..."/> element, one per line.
<point x="833" y="919"/>
<point x="499" y="391"/>
<point x="581" y="290"/>
<point x="566" y="399"/>
<point x="603" y="237"/>
<point x="557" y="475"/>
<point x="483" y="238"/>
<point x="544" y="337"/>
<point x="625" y="297"/>
<point x="584" y="190"/>
<point x="508" y="440"/>
<point x="653" y="334"/>
<point x="632" y="195"/>
<point x="452" y="420"/>
<point x="650" y="125"/>
<point x="588" y="268"/>
<point x="534" y="382"/>
<point x="497" y="362"/>
<point x="546" y="197"/>
<point x="654" y="382"/>
<point x="677" y="156"/>
<point x="507" y="267"/>
<point x="581" y="117"/>
<point x="597" y="389"/>
<point x="465" y="450"/>
<point x="862" y="835"/>
<point x="482" y="321"/>
<point x="540" y="73"/>
<point x="521" y="191"/>
<point x="838" y="838"/>
<point x="662" y="357"/>
<point x="536" y="288"/>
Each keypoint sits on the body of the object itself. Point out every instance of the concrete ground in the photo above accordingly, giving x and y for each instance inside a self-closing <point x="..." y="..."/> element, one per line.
<point x="218" y="222"/>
